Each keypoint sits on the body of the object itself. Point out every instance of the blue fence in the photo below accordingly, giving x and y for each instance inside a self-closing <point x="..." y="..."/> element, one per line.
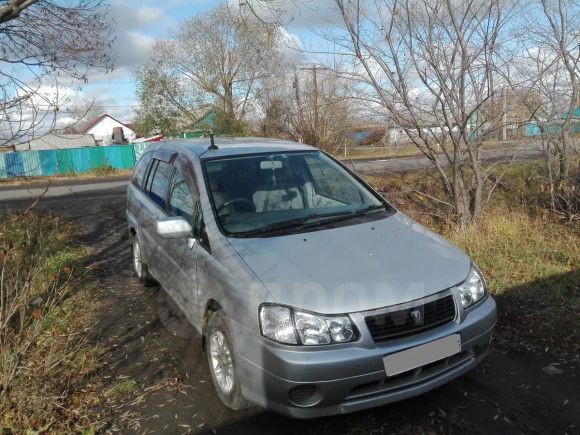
<point x="532" y="129"/>
<point x="65" y="161"/>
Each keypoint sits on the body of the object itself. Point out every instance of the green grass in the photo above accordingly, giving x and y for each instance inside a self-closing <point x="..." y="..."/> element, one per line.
<point x="123" y="388"/>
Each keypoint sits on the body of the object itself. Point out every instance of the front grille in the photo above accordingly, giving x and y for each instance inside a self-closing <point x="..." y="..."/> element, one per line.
<point x="412" y="320"/>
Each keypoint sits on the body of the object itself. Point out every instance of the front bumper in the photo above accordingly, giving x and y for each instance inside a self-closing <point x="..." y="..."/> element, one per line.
<point x="345" y="378"/>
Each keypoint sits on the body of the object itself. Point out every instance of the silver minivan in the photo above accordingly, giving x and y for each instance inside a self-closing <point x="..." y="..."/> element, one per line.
<point x="313" y="296"/>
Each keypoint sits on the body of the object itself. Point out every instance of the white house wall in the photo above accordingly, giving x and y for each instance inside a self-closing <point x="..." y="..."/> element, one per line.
<point x="103" y="131"/>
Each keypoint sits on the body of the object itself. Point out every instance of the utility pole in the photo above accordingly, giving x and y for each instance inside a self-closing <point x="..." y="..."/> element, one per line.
<point x="298" y="103"/>
<point x="315" y="97"/>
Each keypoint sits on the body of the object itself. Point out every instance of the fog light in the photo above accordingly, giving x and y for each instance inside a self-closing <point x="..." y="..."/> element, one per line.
<point x="305" y="395"/>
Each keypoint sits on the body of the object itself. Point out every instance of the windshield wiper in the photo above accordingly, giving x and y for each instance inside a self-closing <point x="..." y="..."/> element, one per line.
<point x="303" y="222"/>
<point x="365" y="210"/>
<point x="351" y="214"/>
<point x="290" y="223"/>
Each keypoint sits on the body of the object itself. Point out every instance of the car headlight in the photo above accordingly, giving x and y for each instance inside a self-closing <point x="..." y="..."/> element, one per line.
<point x="289" y="326"/>
<point x="472" y="290"/>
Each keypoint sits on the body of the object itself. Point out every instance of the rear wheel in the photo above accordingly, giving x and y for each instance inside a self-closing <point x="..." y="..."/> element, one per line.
<point x="139" y="265"/>
<point x="222" y="362"/>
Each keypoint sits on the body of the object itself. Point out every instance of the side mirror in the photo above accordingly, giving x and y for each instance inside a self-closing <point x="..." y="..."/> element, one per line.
<point x="174" y="228"/>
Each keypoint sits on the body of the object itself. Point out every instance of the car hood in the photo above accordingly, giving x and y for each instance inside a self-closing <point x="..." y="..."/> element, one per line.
<point x="355" y="267"/>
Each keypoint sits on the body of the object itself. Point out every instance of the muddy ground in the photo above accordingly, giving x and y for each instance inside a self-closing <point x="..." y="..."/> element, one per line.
<point x="146" y="340"/>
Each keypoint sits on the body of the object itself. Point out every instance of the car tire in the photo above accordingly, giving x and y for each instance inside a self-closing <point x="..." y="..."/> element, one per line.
<point x="221" y="360"/>
<point x="139" y="264"/>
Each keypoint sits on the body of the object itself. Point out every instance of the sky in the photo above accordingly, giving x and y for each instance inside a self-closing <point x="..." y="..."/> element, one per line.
<point x="140" y="22"/>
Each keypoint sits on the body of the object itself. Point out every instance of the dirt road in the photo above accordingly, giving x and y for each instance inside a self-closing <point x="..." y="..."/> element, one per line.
<point x="146" y="340"/>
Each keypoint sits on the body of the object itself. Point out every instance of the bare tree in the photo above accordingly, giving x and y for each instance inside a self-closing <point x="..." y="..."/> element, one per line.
<point x="214" y="61"/>
<point x="430" y="65"/>
<point x="563" y="38"/>
<point x="548" y="71"/>
<point x="322" y="109"/>
<point x="43" y="45"/>
<point x="308" y="104"/>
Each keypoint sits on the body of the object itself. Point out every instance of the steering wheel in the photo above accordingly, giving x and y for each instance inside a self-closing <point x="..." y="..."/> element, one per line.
<point x="236" y="200"/>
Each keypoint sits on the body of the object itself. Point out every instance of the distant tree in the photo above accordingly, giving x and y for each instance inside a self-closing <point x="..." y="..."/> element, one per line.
<point x="310" y="105"/>
<point x="212" y="62"/>
<point x="44" y="43"/>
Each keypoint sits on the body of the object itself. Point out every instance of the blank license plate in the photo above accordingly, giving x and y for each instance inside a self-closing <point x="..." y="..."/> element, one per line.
<point x="419" y="356"/>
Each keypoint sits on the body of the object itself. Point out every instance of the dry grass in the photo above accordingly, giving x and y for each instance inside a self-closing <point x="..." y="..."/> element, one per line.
<point x="378" y="152"/>
<point x="46" y="365"/>
<point x="515" y="249"/>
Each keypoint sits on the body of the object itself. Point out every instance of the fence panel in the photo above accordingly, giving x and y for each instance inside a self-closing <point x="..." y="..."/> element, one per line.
<point x="31" y="163"/>
<point x="13" y="165"/>
<point x="48" y="162"/>
<point x="66" y="161"/>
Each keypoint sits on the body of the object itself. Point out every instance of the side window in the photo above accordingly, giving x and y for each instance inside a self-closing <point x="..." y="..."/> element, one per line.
<point x="181" y="200"/>
<point x="160" y="183"/>
<point x="137" y="179"/>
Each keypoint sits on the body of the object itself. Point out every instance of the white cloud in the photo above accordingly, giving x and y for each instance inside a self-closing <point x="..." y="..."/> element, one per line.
<point x="132" y="50"/>
<point x="132" y="42"/>
<point x="148" y="15"/>
<point x="291" y="47"/>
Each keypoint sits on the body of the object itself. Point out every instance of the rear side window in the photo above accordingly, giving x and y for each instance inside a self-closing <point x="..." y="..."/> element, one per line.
<point x="137" y="179"/>
<point x="159" y="183"/>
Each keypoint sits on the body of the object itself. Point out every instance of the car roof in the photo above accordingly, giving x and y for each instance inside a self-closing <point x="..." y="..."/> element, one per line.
<point x="234" y="146"/>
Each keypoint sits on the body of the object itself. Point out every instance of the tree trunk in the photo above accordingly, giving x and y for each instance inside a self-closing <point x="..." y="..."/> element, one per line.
<point x="229" y="100"/>
<point x="564" y="155"/>
<point x="462" y="207"/>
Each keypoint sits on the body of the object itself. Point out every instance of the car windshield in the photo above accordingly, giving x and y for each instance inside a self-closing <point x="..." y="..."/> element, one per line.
<point x="264" y="194"/>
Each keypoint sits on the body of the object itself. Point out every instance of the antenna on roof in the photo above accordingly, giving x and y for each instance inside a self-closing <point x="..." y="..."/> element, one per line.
<point x="212" y="145"/>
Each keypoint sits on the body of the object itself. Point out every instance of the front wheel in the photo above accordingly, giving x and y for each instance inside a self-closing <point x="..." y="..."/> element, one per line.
<point x="222" y="362"/>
